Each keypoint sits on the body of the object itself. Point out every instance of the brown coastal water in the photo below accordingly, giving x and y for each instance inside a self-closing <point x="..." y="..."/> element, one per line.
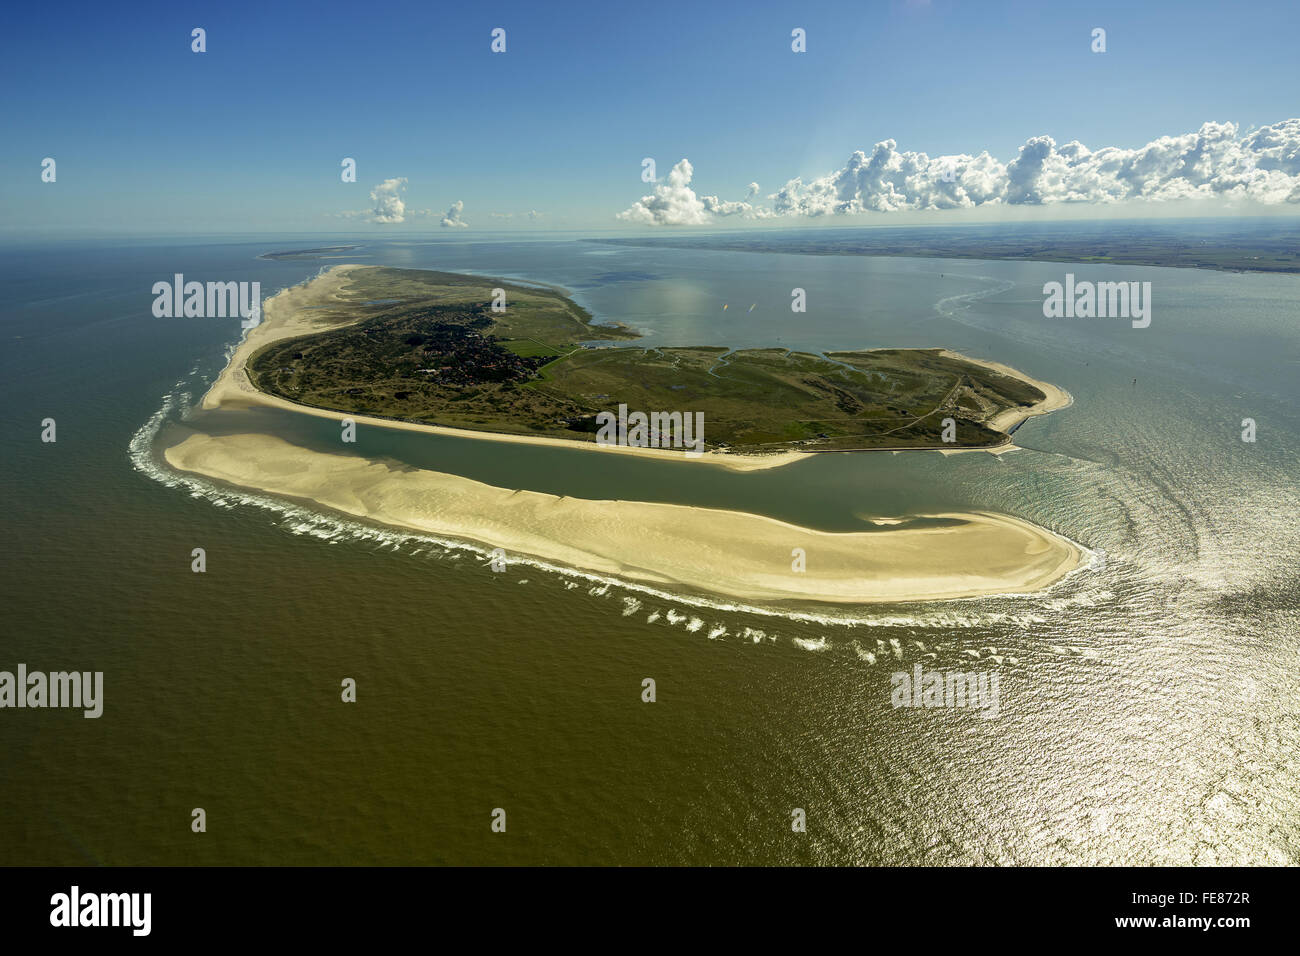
<point x="1148" y="703"/>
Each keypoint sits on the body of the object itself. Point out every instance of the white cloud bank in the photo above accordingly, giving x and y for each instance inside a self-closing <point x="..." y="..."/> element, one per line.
<point x="1216" y="162"/>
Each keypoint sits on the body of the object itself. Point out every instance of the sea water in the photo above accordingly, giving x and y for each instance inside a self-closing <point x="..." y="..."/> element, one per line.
<point x="1147" y="703"/>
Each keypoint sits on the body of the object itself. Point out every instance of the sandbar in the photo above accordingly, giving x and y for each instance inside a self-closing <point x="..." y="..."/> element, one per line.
<point x="733" y="553"/>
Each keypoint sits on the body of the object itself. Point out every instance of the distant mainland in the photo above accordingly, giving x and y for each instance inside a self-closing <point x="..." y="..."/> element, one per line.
<point x="1249" y="245"/>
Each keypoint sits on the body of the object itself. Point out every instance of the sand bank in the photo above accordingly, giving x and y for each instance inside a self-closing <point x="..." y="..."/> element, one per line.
<point x="732" y="553"/>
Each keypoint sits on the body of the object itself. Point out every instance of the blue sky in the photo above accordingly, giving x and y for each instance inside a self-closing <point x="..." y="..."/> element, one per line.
<point x="150" y="137"/>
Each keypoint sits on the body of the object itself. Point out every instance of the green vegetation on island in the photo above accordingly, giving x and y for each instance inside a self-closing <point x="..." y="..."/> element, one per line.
<point x="428" y="347"/>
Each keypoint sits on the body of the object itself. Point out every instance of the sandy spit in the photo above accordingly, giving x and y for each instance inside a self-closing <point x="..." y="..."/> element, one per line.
<point x="732" y="553"/>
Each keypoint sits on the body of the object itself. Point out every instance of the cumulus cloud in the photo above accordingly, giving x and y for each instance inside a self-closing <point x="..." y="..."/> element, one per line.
<point x="1215" y="162"/>
<point x="719" y="207"/>
<point x="386" y="198"/>
<point x="452" y="218"/>
<point x="673" y="202"/>
<point x="1262" y="165"/>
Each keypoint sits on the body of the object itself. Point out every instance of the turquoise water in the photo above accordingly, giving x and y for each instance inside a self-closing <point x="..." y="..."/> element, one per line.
<point x="1148" y="702"/>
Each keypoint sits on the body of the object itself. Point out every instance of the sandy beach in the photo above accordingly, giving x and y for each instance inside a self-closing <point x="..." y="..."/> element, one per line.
<point x="725" y="552"/>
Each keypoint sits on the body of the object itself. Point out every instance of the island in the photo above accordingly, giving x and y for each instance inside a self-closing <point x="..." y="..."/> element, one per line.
<point x="525" y="371"/>
<point x="492" y="356"/>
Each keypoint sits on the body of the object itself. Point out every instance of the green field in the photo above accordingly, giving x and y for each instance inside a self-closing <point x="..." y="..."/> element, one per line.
<point x="441" y="355"/>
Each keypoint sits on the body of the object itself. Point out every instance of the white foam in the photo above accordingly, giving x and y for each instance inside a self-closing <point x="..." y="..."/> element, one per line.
<point x="863" y="654"/>
<point x="811" y="644"/>
<point x="966" y="298"/>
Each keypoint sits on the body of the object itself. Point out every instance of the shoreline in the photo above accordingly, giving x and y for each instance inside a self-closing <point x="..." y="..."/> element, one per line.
<point x="733" y="553"/>
<point x="287" y="315"/>
<point x="730" y="553"/>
